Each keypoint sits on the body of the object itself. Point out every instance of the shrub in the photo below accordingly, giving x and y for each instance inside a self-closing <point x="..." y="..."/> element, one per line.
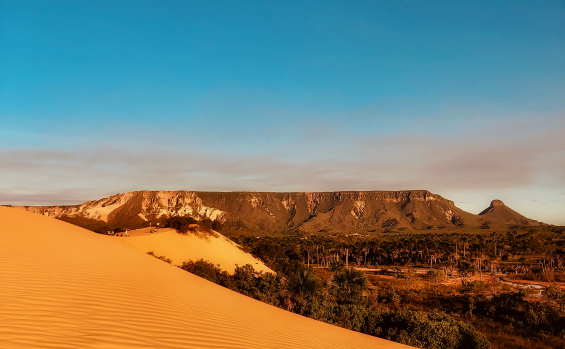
<point x="433" y="330"/>
<point x="350" y="316"/>
<point x="435" y="275"/>
<point x="163" y="258"/>
<point x="553" y="292"/>
<point x="475" y="287"/>
<point x="102" y="229"/>
<point x="180" y="224"/>
<point x="208" y="271"/>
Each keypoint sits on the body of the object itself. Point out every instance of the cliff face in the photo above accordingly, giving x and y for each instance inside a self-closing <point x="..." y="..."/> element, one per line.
<point x="264" y="213"/>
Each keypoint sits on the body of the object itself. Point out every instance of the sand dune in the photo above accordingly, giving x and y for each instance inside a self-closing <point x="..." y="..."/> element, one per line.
<point x="180" y="248"/>
<point x="65" y="287"/>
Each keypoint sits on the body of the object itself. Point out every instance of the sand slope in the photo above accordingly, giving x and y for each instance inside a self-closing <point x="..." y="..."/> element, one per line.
<point x="65" y="287"/>
<point x="180" y="248"/>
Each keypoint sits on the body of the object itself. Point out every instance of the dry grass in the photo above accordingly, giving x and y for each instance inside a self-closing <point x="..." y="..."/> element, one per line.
<point x="550" y="276"/>
<point x="508" y="337"/>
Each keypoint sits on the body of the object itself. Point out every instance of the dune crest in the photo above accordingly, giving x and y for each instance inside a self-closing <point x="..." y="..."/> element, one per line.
<point x="179" y="248"/>
<point x="65" y="287"/>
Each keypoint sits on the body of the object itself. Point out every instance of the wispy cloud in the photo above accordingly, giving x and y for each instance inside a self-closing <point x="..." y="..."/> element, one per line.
<point x="31" y="176"/>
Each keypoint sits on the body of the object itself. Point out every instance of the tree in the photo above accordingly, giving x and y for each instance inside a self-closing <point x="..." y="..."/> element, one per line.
<point x="466" y="268"/>
<point x="336" y="265"/>
<point x="304" y="285"/>
<point x="349" y="284"/>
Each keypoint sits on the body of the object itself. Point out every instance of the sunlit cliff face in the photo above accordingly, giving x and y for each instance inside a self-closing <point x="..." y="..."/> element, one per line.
<point x="270" y="212"/>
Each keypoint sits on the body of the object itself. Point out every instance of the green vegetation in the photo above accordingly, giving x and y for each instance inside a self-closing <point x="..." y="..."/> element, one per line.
<point x="180" y="224"/>
<point x="430" y="291"/>
<point x="425" y="274"/>
<point x="265" y="287"/>
<point x="103" y="229"/>
<point x="342" y="301"/>
<point x="183" y="224"/>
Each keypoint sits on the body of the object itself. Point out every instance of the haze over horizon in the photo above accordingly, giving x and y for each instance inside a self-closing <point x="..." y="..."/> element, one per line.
<point x="463" y="99"/>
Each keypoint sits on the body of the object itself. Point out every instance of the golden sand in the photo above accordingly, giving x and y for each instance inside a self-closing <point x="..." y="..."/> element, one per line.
<point x="65" y="287"/>
<point x="214" y="247"/>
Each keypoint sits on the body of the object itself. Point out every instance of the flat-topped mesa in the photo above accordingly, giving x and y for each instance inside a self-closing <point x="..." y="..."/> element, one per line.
<point x="273" y="212"/>
<point x="393" y="196"/>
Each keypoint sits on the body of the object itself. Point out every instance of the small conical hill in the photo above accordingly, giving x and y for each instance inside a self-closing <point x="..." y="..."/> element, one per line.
<point x="499" y="213"/>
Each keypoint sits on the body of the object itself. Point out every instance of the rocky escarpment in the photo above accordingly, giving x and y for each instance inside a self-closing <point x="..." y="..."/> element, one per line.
<point x="265" y="212"/>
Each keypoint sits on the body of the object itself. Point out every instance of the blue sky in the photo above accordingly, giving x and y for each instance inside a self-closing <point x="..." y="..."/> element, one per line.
<point x="464" y="98"/>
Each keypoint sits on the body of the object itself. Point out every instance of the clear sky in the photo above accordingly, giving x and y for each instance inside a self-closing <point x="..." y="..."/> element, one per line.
<point x="463" y="98"/>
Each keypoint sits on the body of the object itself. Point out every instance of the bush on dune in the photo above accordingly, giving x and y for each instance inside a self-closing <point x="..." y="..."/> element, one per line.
<point x="208" y="271"/>
<point x="266" y="287"/>
<point x="163" y="258"/>
<point x="180" y="224"/>
<point x="184" y="225"/>
<point x="102" y="229"/>
<point x="211" y="224"/>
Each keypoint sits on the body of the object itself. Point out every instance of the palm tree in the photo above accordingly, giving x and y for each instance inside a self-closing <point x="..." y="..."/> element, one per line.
<point x="365" y="252"/>
<point x="304" y="285"/>
<point x="349" y="283"/>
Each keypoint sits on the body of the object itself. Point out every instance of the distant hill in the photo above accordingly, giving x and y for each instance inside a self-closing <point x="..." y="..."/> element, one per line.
<point x="348" y="212"/>
<point x="499" y="213"/>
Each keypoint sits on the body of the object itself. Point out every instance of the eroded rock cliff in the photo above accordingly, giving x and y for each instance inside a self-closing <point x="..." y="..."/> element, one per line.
<point x="265" y="212"/>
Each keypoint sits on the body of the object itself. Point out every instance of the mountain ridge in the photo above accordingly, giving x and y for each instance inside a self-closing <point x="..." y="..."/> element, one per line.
<point x="281" y="212"/>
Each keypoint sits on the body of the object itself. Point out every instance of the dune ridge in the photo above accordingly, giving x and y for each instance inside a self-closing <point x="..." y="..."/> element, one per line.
<point x="64" y="287"/>
<point x="215" y="248"/>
